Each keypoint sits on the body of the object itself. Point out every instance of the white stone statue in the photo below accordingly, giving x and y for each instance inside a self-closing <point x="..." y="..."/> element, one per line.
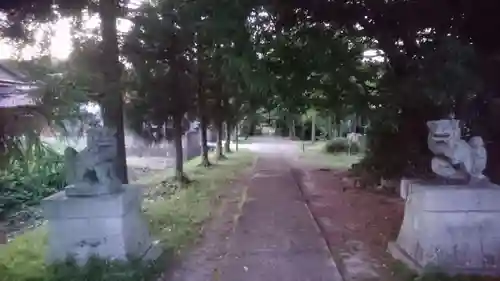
<point x="91" y="172"/>
<point x="454" y="157"/>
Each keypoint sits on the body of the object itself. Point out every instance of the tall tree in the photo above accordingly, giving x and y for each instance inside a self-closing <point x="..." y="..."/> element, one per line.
<point x="112" y="100"/>
<point x="160" y="48"/>
<point x="17" y="23"/>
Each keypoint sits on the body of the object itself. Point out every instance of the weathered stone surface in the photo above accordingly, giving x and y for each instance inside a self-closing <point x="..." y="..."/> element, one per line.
<point x="91" y="172"/>
<point x="453" y="227"/>
<point x="191" y="145"/>
<point x="455" y="158"/>
<point x="109" y="226"/>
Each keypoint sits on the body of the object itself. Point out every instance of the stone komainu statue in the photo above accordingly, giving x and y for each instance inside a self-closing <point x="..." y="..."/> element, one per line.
<point x="454" y="157"/>
<point x="91" y="172"/>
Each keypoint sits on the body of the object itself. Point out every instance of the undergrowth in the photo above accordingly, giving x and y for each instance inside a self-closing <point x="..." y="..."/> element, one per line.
<point x="316" y="155"/>
<point x="402" y="273"/>
<point x="342" y="145"/>
<point x="35" y="174"/>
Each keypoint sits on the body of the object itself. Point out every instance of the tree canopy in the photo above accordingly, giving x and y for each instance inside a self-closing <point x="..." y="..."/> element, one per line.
<point x="222" y="61"/>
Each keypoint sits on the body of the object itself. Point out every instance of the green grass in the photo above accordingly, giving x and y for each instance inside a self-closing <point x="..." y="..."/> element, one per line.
<point x="23" y="258"/>
<point x="175" y="219"/>
<point x="316" y="155"/>
<point x="402" y="273"/>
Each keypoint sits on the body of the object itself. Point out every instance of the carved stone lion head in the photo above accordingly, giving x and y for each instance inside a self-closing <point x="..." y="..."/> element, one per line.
<point x="444" y="130"/>
<point x="99" y="136"/>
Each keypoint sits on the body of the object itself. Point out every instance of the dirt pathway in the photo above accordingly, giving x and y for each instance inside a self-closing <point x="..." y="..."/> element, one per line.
<point x="356" y="223"/>
<point x="263" y="231"/>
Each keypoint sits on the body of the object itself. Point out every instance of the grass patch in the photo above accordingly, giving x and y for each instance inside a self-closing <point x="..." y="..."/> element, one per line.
<point x="402" y="273"/>
<point x="315" y="154"/>
<point x="23" y="258"/>
<point x="175" y="219"/>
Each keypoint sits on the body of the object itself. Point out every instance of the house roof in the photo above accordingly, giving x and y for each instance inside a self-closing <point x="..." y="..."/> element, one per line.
<point x="9" y="69"/>
<point x="15" y="99"/>
<point x="15" y="89"/>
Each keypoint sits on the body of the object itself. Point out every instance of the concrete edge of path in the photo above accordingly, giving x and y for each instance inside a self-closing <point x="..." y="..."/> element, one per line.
<point x="299" y="176"/>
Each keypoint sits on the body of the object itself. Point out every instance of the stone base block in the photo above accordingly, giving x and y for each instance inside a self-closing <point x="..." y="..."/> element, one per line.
<point x="109" y="226"/>
<point x="455" y="228"/>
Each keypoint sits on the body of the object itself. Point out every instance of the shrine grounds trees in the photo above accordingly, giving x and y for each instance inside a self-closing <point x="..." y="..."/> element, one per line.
<point x="222" y="62"/>
<point x="294" y="56"/>
<point x="437" y="61"/>
<point x="16" y="22"/>
<point x="160" y="48"/>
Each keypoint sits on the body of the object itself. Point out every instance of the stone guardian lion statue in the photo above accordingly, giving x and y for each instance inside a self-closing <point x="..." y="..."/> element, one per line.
<point x="91" y="172"/>
<point x="454" y="157"/>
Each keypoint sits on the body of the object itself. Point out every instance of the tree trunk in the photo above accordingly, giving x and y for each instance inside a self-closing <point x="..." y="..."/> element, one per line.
<point x="329" y="128"/>
<point x="179" y="156"/>
<point x="303" y="135"/>
<point x="218" y="149"/>
<point x="3" y="232"/>
<point x="360" y="125"/>
<point x="227" y="144"/>
<point x="203" y="139"/>
<point x="112" y="100"/>
<point x="203" y="115"/>
<point x="237" y="138"/>
<point x="313" y="128"/>
<point x="335" y="127"/>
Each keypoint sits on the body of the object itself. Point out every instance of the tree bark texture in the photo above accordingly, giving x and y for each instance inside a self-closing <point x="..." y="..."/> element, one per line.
<point x="227" y="144"/>
<point x="313" y="128"/>
<point x="179" y="156"/>
<point x="237" y="137"/>
<point x="203" y="139"/>
<point x="112" y="100"/>
<point x="202" y="104"/>
<point x="218" y="148"/>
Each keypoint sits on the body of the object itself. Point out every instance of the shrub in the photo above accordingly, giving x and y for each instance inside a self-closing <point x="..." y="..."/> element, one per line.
<point x="341" y="145"/>
<point x="36" y="174"/>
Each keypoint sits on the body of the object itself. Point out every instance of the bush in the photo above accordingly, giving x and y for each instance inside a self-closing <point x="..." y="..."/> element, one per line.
<point x="341" y="145"/>
<point x="33" y="176"/>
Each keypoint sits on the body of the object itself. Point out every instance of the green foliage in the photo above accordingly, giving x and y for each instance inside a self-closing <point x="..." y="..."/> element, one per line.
<point x="443" y="81"/>
<point x="162" y="78"/>
<point x="403" y="273"/>
<point x="315" y="155"/>
<point x="35" y="173"/>
<point x="342" y="145"/>
<point x="24" y="257"/>
<point x="104" y="270"/>
<point x="177" y="220"/>
<point x="58" y="103"/>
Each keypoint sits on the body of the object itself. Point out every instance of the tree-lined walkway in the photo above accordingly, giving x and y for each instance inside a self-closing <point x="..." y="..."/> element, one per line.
<point x="265" y="233"/>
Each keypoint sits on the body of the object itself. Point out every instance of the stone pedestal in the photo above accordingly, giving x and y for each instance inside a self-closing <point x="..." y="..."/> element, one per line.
<point x="191" y="145"/>
<point x="455" y="228"/>
<point x="108" y="226"/>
